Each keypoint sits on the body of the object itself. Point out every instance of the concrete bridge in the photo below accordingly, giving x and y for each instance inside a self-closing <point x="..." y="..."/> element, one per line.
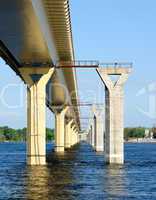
<point x="36" y="42"/>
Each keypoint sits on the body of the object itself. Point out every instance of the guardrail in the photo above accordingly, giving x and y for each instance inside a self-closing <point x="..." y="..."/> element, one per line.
<point x="91" y="64"/>
<point x="117" y="65"/>
<point x="78" y="64"/>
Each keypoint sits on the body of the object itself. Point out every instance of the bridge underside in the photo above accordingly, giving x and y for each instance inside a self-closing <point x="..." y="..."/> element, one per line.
<point x="34" y="35"/>
<point x="36" y="41"/>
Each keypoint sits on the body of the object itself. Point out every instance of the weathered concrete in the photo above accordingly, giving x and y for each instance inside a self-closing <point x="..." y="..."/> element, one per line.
<point x="96" y="131"/>
<point x="60" y="129"/>
<point x="36" y="79"/>
<point x="114" y="95"/>
<point x="89" y="136"/>
<point x="74" y="138"/>
<point x="68" y="132"/>
<point x="72" y="135"/>
<point x="92" y="134"/>
<point x="98" y="128"/>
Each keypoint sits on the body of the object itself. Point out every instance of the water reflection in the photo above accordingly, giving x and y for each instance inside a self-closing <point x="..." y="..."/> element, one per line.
<point x="51" y="181"/>
<point x="114" y="182"/>
<point x="79" y="174"/>
<point x="37" y="182"/>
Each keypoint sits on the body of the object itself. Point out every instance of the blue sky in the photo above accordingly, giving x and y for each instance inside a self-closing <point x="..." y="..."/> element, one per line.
<point x="106" y="31"/>
<point x="120" y="31"/>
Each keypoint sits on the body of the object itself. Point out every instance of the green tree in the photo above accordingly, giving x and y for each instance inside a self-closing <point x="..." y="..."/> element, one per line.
<point x="49" y="134"/>
<point x="136" y="132"/>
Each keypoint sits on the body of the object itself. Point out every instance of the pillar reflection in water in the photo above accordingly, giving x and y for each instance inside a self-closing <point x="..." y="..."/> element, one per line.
<point x="115" y="182"/>
<point x="52" y="181"/>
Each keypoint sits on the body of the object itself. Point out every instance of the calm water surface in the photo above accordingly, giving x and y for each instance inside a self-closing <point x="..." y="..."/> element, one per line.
<point x="78" y="174"/>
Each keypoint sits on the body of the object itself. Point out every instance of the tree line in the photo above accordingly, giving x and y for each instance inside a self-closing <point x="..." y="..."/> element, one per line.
<point x="135" y="132"/>
<point x="10" y="134"/>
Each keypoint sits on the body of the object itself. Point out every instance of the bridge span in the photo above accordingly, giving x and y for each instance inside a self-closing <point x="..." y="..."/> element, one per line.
<point x="36" y="42"/>
<point x="34" y="35"/>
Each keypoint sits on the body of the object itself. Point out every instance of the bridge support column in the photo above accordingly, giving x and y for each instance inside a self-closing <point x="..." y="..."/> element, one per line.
<point x="36" y="78"/>
<point x="76" y="137"/>
<point x="89" y="137"/>
<point x="92" y="136"/>
<point x="68" y="133"/>
<point x="99" y="133"/>
<point x="60" y="130"/>
<point x="73" y="136"/>
<point x="114" y="95"/>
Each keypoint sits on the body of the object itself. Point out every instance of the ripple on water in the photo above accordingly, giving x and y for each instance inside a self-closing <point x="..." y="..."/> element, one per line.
<point x="79" y="174"/>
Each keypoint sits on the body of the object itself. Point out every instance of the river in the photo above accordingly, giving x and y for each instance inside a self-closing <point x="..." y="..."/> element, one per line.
<point x="79" y="174"/>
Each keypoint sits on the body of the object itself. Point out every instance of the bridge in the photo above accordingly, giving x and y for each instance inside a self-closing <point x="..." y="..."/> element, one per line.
<point x="36" y="42"/>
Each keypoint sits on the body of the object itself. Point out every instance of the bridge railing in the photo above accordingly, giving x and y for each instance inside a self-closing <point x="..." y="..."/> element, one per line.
<point x="116" y="65"/>
<point x="78" y="64"/>
<point x="91" y="64"/>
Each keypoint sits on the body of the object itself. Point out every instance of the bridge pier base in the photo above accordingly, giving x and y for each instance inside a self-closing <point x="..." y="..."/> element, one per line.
<point x="36" y="80"/>
<point x="114" y="95"/>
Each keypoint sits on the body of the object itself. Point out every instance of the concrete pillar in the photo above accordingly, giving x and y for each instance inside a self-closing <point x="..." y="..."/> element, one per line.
<point x="72" y="132"/>
<point x="92" y="136"/>
<point x="88" y="137"/>
<point x="68" y="133"/>
<point x="114" y="95"/>
<point x="76" y="137"/>
<point x="98" y="122"/>
<point x="36" y="79"/>
<point x="60" y="130"/>
<point x="99" y="133"/>
<point x="73" y="136"/>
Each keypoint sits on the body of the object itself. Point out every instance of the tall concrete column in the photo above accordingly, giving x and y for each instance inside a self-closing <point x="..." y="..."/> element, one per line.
<point x="60" y="130"/>
<point x="89" y="137"/>
<point x="68" y="133"/>
<point x="114" y="95"/>
<point x="98" y="121"/>
<point x="99" y="133"/>
<point x="76" y="137"/>
<point x="92" y="135"/>
<point x="73" y="135"/>
<point x="36" y="79"/>
<point x="72" y="132"/>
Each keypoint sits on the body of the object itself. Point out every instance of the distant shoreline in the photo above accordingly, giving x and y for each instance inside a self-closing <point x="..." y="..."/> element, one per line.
<point x="141" y="140"/>
<point x="11" y="141"/>
<point x="134" y="140"/>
